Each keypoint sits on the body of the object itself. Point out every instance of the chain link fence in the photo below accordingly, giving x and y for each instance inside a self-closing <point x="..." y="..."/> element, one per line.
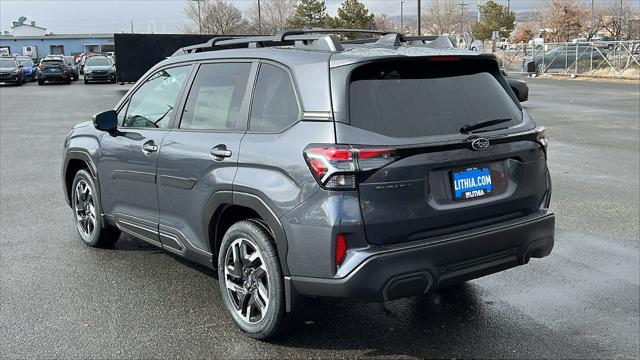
<point x="619" y="59"/>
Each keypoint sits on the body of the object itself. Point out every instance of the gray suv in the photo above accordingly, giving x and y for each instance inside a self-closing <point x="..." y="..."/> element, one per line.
<point x="300" y="165"/>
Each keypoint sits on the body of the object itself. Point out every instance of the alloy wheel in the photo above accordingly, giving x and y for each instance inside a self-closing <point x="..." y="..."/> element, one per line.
<point x="246" y="280"/>
<point x="85" y="208"/>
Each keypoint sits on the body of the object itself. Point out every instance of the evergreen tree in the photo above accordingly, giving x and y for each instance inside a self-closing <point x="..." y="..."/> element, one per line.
<point x="309" y="14"/>
<point x="494" y="17"/>
<point x="353" y="15"/>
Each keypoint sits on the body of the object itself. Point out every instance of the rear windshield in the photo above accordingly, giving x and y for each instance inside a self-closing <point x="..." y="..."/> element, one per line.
<point x="7" y="63"/>
<point x="98" y="61"/>
<point x="426" y="98"/>
<point x="51" y="62"/>
<point x="25" y="62"/>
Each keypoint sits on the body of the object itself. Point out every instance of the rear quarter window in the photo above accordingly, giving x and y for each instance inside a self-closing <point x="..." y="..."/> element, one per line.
<point x="422" y="98"/>
<point x="275" y="105"/>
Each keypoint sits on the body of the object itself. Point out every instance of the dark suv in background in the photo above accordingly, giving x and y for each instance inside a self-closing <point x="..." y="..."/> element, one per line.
<point x="299" y="165"/>
<point x="53" y="69"/>
<point x="11" y="71"/>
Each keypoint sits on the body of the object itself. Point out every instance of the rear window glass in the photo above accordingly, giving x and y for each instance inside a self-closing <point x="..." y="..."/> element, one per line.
<point x="51" y="62"/>
<point x="423" y="98"/>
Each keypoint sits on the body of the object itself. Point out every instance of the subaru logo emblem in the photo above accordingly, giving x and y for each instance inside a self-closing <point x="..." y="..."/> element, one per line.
<point x="479" y="144"/>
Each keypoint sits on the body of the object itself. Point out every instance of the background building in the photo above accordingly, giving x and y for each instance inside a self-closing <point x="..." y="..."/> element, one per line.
<point x="25" y="38"/>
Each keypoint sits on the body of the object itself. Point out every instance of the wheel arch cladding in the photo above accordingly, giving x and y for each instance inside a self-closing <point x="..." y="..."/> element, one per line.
<point x="225" y="207"/>
<point x="76" y="160"/>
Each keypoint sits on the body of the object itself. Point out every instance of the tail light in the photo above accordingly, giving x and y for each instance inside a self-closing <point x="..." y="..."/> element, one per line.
<point x="337" y="167"/>
<point x="341" y="249"/>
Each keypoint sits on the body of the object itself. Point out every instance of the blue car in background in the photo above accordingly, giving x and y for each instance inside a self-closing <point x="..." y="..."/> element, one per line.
<point x="28" y="67"/>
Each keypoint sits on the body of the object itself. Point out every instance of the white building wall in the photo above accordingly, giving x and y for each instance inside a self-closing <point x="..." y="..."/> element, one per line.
<point x="27" y="30"/>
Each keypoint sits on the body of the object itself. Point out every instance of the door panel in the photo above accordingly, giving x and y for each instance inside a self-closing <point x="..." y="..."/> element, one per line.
<point x="128" y="159"/>
<point x="200" y="157"/>
<point x="128" y="173"/>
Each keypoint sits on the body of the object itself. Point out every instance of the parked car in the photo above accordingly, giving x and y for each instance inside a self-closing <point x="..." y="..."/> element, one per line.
<point x="11" y="71"/>
<point x="562" y="56"/>
<point x="28" y="67"/>
<point x="82" y="59"/>
<point x="341" y="170"/>
<point x="518" y="86"/>
<point x="53" y="69"/>
<point x="73" y="68"/>
<point x="99" y="68"/>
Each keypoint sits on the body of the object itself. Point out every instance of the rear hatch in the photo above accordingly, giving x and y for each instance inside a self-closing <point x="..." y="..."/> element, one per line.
<point x="452" y="148"/>
<point x="53" y="66"/>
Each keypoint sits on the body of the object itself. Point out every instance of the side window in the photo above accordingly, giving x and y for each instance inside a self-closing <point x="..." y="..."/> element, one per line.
<point x="216" y="97"/>
<point x="274" y="107"/>
<point x="152" y="104"/>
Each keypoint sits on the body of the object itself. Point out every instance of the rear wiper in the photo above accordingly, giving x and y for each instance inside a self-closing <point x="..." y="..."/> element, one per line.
<point x="468" y="127"/>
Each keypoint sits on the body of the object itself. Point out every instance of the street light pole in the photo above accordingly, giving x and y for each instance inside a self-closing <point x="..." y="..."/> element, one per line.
<point x="419" y="20"/>
<point x="199" y="16"/>
<point x="259" y="19"/>
<point x="401" y="15"/>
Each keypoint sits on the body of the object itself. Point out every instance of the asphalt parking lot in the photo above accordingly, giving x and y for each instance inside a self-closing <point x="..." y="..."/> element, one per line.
<point x="62" y="299"/>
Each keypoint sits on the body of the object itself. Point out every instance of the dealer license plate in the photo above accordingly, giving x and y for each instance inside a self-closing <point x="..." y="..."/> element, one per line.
<point x="471" y="183"/>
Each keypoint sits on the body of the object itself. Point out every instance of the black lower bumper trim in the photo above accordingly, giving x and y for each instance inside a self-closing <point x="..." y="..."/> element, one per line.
<point x="415" y="270"/>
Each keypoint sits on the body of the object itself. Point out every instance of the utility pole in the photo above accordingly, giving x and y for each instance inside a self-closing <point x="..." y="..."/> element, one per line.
<point x="462" y="5"/>
<point x="620" y="23"/>
<point x="593" y="21"/>
<point x="199" y="16"/>
<point x="401" y="16"/>
<point x="259" y="19"/>
<point x="509" y="5"/>
<point x="419" y="20"/>
<point x="132" y="26"/>
<point x="478" y="9"/>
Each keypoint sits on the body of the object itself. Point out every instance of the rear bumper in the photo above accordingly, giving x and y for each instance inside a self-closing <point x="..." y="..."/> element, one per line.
<point x="54" y="76"/>
<point x="415" y="269"/>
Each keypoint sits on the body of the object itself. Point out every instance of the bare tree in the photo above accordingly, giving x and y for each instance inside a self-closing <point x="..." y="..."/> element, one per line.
<point x="619" y="19"/>
<point x="562" y="19"/>
<point x="215" y="17"/>
<point x="274" y="15"/>
<point x="383" y="22"/>
<point x="442" y="17"/>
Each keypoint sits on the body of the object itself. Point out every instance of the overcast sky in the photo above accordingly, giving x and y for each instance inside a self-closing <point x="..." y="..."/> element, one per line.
<point x="91" y="16"/>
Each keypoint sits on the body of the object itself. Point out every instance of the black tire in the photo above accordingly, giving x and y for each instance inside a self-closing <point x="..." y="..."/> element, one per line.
<point x="40" y="82"/>
<point x="86" y="81"/>
<point x="610" y="47"/>
<point x="100" y="235"/>
<point x="275" y="318"/>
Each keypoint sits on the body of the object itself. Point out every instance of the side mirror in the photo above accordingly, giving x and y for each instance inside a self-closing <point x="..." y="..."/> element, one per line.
<point x="106" y="121"/>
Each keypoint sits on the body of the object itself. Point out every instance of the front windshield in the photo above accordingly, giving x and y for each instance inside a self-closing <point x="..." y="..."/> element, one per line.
<point x="7" y="63"/>
<point x="98" y="61"/>
<point x="26" y="62"/>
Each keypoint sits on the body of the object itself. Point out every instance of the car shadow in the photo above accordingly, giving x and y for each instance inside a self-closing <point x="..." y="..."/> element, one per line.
<point x="450" y="323"/>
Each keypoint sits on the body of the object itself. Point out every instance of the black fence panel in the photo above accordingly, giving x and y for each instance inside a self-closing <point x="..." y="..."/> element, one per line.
<point x="137" y="53"/>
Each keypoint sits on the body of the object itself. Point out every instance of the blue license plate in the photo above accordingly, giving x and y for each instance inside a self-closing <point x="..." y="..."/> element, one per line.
<point x="472" y="183"/>
<point x="53" y="70"/>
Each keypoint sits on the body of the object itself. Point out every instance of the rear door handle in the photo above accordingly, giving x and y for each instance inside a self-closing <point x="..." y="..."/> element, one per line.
<point x="220" y="152"/>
